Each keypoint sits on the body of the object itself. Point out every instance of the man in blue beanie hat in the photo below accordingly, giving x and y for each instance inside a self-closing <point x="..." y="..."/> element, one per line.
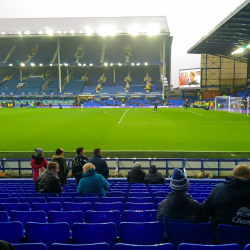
<point x="179" y="204"/>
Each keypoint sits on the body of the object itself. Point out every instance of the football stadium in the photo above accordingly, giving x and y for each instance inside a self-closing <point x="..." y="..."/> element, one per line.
<point x="100" y="150"/>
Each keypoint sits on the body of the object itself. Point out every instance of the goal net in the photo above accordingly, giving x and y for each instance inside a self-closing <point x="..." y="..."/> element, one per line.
<point x="231" y="104"/>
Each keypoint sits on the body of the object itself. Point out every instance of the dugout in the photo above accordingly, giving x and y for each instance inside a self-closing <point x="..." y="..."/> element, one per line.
<point x="225" y="53"/>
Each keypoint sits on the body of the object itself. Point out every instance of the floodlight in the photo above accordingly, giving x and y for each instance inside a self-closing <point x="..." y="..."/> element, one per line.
<point x="50" y="32"/>
<point x="65" y="32"/>
<point x="72" y="31"/>
<point x="112" y="30"/>
<point x="22" y="64"/>
<point x="84" y="64"/>
<point x="40" y="32"/>
<point x="134" y="30"/>
<point x="138" y="64"/>
<point x="132" y="64"/>
<point x="145" y="63"/>
<point x="40" y="64"/>
<point x="59" y="32"/>
<point x="32" y="64"/>
<point x="105" y="64"/>
<point x="3" y="33"/>
<point x="79" y="64"/>
<point x="91" y="64"/>
<point x="19" y="33"/>
<point x="119" y="64"/>
<point x="152" y="29"/>
<point x="111" y="64"/>
<point x="10" y="64"/>
<point x="65" y="64"/>
<point x="27" y="32"/>
<point x="81" y="31"/>
<point x="51" y="64"/>
<point x="89" y="31"/>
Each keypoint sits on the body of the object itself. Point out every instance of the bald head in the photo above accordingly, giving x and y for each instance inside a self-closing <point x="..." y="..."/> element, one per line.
<point x="241" y="171"/>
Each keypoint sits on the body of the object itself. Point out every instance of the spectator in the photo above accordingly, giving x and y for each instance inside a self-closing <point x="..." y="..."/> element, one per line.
<point x="63" y="168"/>
<point x="179" y="204"/>
<point x="38" y="163"/>
<point x="92" y="182"/>
<point x="78" y="163"/>
<point x="136" y="175"/>
<point x="48" y="182"/>
<point x="228" y="202"/>
<point x="153" y="177"/>
<point x="101" y="166"/>
<point x="6" y="245"/>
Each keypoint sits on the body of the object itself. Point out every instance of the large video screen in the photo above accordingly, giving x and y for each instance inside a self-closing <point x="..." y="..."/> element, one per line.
<point x="190" y="79"/>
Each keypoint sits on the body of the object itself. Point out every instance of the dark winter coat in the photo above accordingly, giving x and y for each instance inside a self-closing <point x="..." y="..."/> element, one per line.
<point x="48" y="183"/>
<point x="136" y="175"/>
<point x="153" y="177"/>
<point x="229" y="202"/>
<point x="63" y="168"/>
<point x="37" y="162"/>
<point x="101" y="166"/>
<point x="180" y="205"/>
<point x="77" y="165"/>
<point x="6" y="245"/>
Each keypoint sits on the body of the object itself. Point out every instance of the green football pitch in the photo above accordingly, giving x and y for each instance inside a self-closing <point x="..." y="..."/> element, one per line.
<point x="124" y="132"/>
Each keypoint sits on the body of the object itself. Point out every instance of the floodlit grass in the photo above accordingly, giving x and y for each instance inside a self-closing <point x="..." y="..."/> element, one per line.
<point x="172" y="129"/>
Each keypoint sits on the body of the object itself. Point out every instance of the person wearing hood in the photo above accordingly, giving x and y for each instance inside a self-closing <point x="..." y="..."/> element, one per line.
<point x="48" y="182"/>
<point x="136" y="175"/>
<point x="153" y="177"/>
<point x="92" y="182"/>
<point x="63" y="168"/>
<point x="179" y="204"/>
<point x="229" y="202"/>
<point x="38" y="162"/>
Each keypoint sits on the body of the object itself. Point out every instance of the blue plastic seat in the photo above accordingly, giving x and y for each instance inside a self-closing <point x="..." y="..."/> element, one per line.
<point x="15" y="192"/>
<point x="7" y="230"/>
<point x="46" y="195"/>
<point x="31" y="200"/>
<point x="116" y="194"/>
<point x="96" y="246"/>
<point x="226" y="234"/>
<point x="25" y="216"/>
<point x="70" y="206"/>
<point x="119" y="190"/>
<point x="8" y="207"/>
<point x="94" y="233"/>
<point x="98" y="206"/>
<point x="30" y="246"/>
<point x="9" y="200"/>
<point x="247" y="247"/>
<point x="166" y="246"/>
<point x="3" y="216"/>
<point x="47" y="233"/>
<point x="159" y="200"/>
<point x="140" y="199"/>
<point x="146" y="233"/>
<point x="72" y="195"/>
<point x="46" y="207"/>
<point x="139" y="216"/>
<point x="186" y="246"/>
<point x="103" y="216"/>
<point x="100" y="195"/>
<point x="16" y="195"/>
<point x="92" y="200"/>
<point x="139" y="206"/>
<point x="160" y="194"/>
<point x="205" y="195"/>
<point x="113" y="199"/>
<point x="69" y="216"/>
<point x="5" y="195"/>
<point x="59" y="199"/>
<point x="33" y="191"/>
<point x="139" y="194"/>
<point x="201" y="233"/>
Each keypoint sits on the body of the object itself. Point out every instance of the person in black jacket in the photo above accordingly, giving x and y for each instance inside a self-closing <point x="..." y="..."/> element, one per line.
<point x="77" y="164"/>
<point x="101" y="166"/>
<point x="179" y="204"/>
<point x="4" y="245"/>
<point x="49" y="182"/>
<point x="153" y="177"/>
<point x="229" y="202"/>
<point x="136" y="175"/>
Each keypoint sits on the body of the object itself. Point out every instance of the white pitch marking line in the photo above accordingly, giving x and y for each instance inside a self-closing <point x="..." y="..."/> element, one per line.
<point x="123" y="116"/>
<point x="192" y="112"/>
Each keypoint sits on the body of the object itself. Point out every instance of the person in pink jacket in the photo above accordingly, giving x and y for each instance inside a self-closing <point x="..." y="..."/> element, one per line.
<point x="38" y="163"/>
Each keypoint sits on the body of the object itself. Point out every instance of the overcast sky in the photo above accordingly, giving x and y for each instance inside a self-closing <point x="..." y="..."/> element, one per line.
<point x="188" y="20"/>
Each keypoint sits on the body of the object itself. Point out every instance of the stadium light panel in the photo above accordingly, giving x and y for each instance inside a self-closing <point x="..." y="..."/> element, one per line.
<point x="103" y="30"/>
<point x="89" y="31"/>
<point x="22" y="64"/>
<point x="19" y="33"/>
<point x="91" y="64"/>
<point x="79" y="64"/>
<point x="111" y="64"/>
<point x="27" y="32"/>
<point x="40" y="32"/>
<point x="138" y="64"/>
<point x="145" y="63"/>
<point x="119" y="64"/>
<point x="59" y="32"/>
<point x="65" y="64"/>
<point x="105" y="64"/>
<point x="10" y="64"/>
<point x="51" y="64"/>
<point x="112" y="30"/>
<point x="152" y="29"/>
<point x="132" y="64"/>
<point x="40" y="64"/>
<point x="3" y="33"/>
<point x="50" y="32"/>
<point x="134" y="30"/>
<point x="65" y="32"/>
<point x="72" y="32"/>
<point x="32" y="64"/>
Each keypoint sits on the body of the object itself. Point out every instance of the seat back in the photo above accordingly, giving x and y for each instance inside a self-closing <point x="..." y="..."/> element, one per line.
<point x="160" y="194"/>
<point x="22" y="195"/>
<point x="186" y="246"/>
<point x="9" y="200"/>
<point x="70" y="217"/>
<point x="201" y="233"/>
<point x="49" y="233"/>
<point x="100" y="195"/>
<point x="146" y="233"/>
<point x="25" y="216"/>
<point x="96" y="246"/>
<point x="113" y="199"/>
<point x="92" y="200"/>
<point x="4" y="195"/>
<point x="139" y="216"/>
<point x="46" y="195"/>
<point x="117" y="194"/>
<point x="8" y="207"/>
<point x="59" y="199"/>
<point x="94" y="233"/>
<point x="166" y="246"/>
<point x="30" y="246"/>
<point x="70" y="206"/>
<point x="140" y="199"/>
<point x="46" y="207"/>
<point x="31" y="200"/>
<point x="98" y="206"/>
<point x="139" y="206"/>
<point x="11" y="232"/>
<point x="69" y="194"/>
<point x="3" y="216"/>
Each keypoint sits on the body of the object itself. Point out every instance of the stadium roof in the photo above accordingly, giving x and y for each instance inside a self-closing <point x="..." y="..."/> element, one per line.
<point x="229" y="35"/>
<point x="81" y="25"/>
